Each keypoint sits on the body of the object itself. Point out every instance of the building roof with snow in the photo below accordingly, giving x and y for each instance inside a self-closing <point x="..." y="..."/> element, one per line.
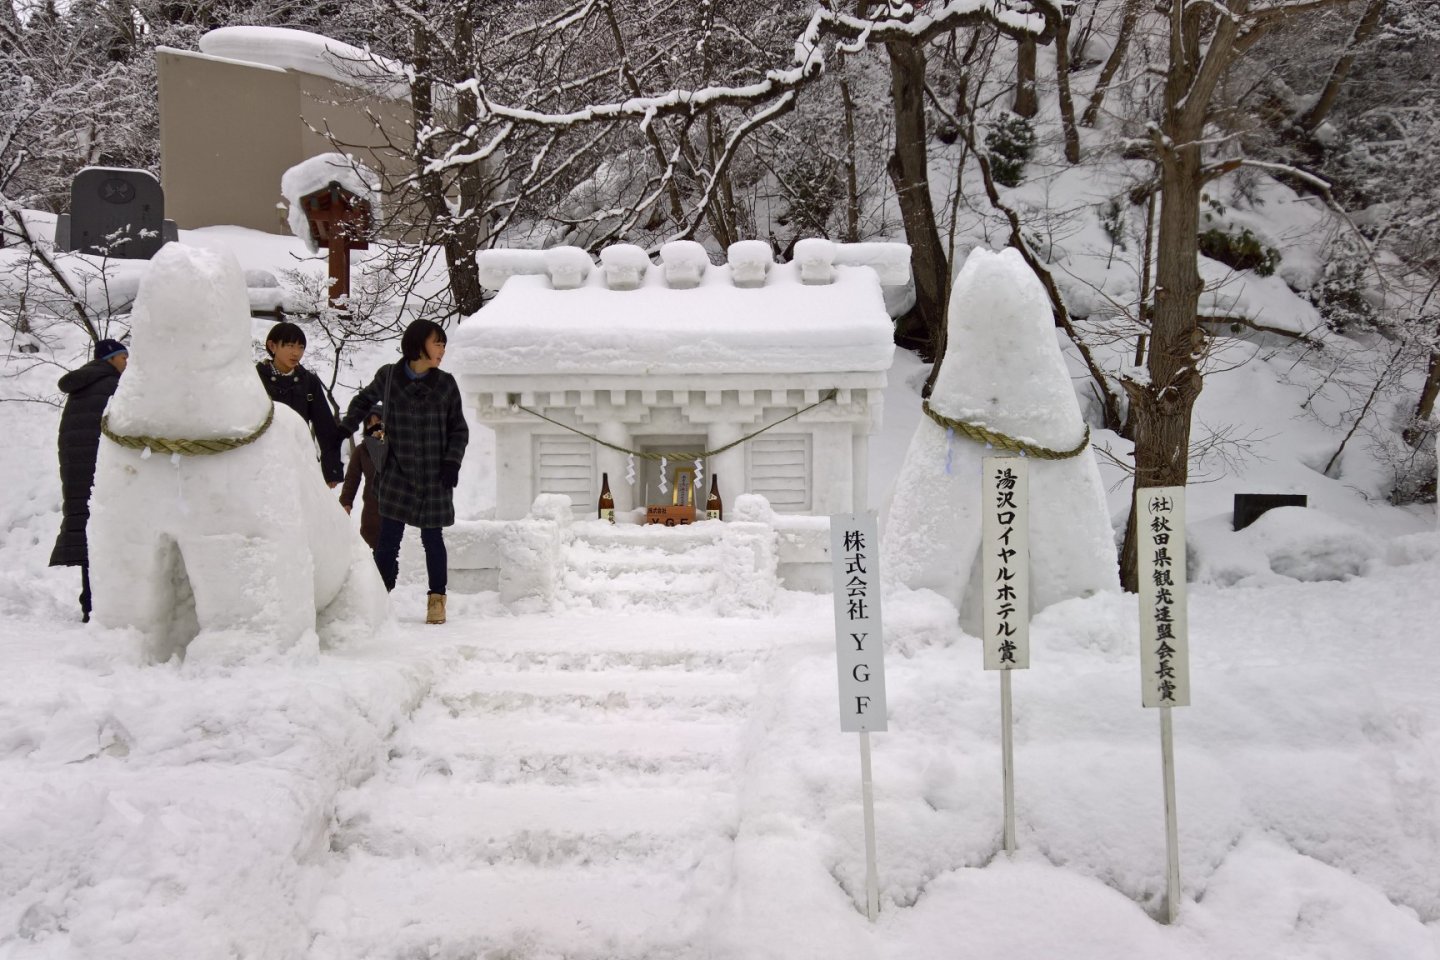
<point x="557" y="312"/>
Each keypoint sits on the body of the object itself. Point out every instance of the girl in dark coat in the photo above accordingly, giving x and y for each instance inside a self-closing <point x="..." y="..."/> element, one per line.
<point x="88" y="390"/>
<point x="426" y="435"/>
<point x="362" y="468"/>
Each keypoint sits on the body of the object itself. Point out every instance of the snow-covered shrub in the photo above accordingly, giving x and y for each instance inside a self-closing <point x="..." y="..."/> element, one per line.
<point x="1341" y="295"/>
<point x="1240" y="251"/>
<point x="1011" y="144"/>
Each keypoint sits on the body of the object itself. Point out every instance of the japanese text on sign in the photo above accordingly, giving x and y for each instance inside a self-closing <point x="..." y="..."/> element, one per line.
<point x="859" y="648"/>
<point x="1005" y="562"/>
<point x="1164" y="634"/>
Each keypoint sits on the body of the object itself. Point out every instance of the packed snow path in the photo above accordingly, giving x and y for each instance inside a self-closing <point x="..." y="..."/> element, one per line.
<point x="567" y="788"/>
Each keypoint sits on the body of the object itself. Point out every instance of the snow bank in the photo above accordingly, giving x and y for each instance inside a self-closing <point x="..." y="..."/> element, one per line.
<point x="1003" y="370"/>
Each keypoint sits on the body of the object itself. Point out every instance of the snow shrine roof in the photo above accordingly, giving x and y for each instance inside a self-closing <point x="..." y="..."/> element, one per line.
<point x="559" y="312"/>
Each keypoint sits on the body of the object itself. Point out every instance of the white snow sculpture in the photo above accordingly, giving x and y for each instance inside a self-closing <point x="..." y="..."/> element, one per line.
<point x="625" y="266"/>
<point x="237" y="555"/>
<point x="568" y="267"/>
<point x="319" y="172"/>
<point x="1003" y="370"/>
<point x="749" y="260"/>
<point x="685" y="262"/>
<point x="816" y="258"/>
<point x="497" y="266"/>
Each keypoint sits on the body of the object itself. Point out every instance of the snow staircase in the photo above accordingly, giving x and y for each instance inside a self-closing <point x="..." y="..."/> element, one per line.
<point x="706" y="569"/>
<point x="567" y="791"/>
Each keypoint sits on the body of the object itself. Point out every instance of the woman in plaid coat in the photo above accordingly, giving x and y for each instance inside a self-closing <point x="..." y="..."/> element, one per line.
<point x="426" y="435"/>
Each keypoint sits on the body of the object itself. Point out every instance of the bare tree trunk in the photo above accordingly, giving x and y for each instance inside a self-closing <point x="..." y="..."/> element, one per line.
<point x="923" y="328"/>
<point x="1062" y="78"/>
<point x="852" y="185"/>
<point x="1331" y="92"/>
<point x="1112" y="63"/>
<point x="1161" y="407"/>
<point x="1027" y="100"/>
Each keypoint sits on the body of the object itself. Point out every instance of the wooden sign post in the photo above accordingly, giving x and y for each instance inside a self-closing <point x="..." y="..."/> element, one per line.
<point x="340" y="221"/>
<point x="1164" y="643"/>
<point x="860" y="658"/>
<point x="1005" y="572"/>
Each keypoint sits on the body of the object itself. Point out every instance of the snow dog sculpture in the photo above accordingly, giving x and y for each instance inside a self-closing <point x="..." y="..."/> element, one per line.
<point x="1003" y="371"/>
<point x="241" y="555"/>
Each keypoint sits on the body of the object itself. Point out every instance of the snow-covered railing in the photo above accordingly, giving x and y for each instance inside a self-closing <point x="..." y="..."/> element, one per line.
<point x="684" y="264"/>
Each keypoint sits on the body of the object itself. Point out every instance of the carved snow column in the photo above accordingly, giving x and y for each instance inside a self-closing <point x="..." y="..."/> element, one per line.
<point x="613" y="462"/>
<point x="860" y="466"/>
<point x="728" y="466"/>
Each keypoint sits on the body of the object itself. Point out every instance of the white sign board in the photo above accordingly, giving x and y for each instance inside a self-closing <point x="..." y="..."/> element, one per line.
<point x="1160" y="566"/>
<point x="859" y="647"/>
<point x="1005" y="561"/>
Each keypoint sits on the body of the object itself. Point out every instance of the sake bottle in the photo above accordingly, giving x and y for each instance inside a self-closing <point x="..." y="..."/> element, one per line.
<point x="713" y="505"/>
<point x="607" y="502"/>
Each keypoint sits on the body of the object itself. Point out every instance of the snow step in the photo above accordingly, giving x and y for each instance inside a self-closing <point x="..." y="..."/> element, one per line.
<point x="500" y="749"/>
<point x="414" y="908"/>
<point x="611" y="694"/>
<point x="443" y="819"/>
<point x="682" y="658"/>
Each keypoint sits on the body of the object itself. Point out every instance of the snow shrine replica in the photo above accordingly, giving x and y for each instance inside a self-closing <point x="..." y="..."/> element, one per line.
<point x="682" y="357"/>
<point x="1003" y="387"/>
<point x="761" y="381"/>
<point x="230" y="547"/>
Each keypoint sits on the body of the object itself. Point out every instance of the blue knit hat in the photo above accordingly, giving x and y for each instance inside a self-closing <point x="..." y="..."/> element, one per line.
<point x="106" y="349"/>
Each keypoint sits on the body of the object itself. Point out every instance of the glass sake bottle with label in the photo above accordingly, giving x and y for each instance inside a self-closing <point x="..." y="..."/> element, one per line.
<point x="607" y="501"/>
<point x="713" y="506"/>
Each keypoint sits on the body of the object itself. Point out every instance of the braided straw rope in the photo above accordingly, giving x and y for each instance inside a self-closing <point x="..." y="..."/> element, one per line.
<point x="1001" y="442"/>
<point x="187" y="448"/>
<point x="679" y="454"/>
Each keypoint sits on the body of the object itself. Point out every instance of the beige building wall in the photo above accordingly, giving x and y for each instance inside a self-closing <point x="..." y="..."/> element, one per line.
<point x="229" y="131"/>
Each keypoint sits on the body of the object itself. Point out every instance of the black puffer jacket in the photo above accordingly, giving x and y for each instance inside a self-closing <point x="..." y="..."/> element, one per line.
<point x="89" y="388"/>
<point x="302" y="391"/>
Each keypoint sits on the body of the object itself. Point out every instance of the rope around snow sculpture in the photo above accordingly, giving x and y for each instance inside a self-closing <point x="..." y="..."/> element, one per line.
<point x="187" y="448"/>
<point x="1002" y="442"/>
<point x="682" y="454"/>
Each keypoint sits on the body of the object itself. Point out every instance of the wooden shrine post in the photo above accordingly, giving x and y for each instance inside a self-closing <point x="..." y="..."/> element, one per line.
<point x="340" y="221"/>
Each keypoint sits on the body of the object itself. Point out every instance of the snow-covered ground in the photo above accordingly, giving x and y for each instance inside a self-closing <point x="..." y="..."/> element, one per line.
<point x="670" y="786"/>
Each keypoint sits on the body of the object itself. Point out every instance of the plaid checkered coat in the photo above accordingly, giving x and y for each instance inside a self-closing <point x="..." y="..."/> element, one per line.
<point x="424" y="427"/>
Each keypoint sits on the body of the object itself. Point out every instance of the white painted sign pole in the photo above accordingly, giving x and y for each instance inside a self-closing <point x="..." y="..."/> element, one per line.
<point x="1164" y="643"/>
<point x="860" y="658"/>
<point x="1005" y="570"/>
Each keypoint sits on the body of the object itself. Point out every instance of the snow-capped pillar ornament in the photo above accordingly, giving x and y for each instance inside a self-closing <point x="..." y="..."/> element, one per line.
<point x="625" y="266"/>
<point x="750" y="261"/>
<point x="815" y="257"/>
<point x="685" y="262"/>
<point x="569" y="267"/>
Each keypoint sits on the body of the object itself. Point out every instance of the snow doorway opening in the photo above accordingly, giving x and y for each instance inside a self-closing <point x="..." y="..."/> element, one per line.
<point x="647" y="489"/>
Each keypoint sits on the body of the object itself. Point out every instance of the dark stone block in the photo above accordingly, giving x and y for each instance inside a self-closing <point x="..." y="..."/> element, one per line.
<point x="1249" y="506"/>
<point x="116" y="210"/>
